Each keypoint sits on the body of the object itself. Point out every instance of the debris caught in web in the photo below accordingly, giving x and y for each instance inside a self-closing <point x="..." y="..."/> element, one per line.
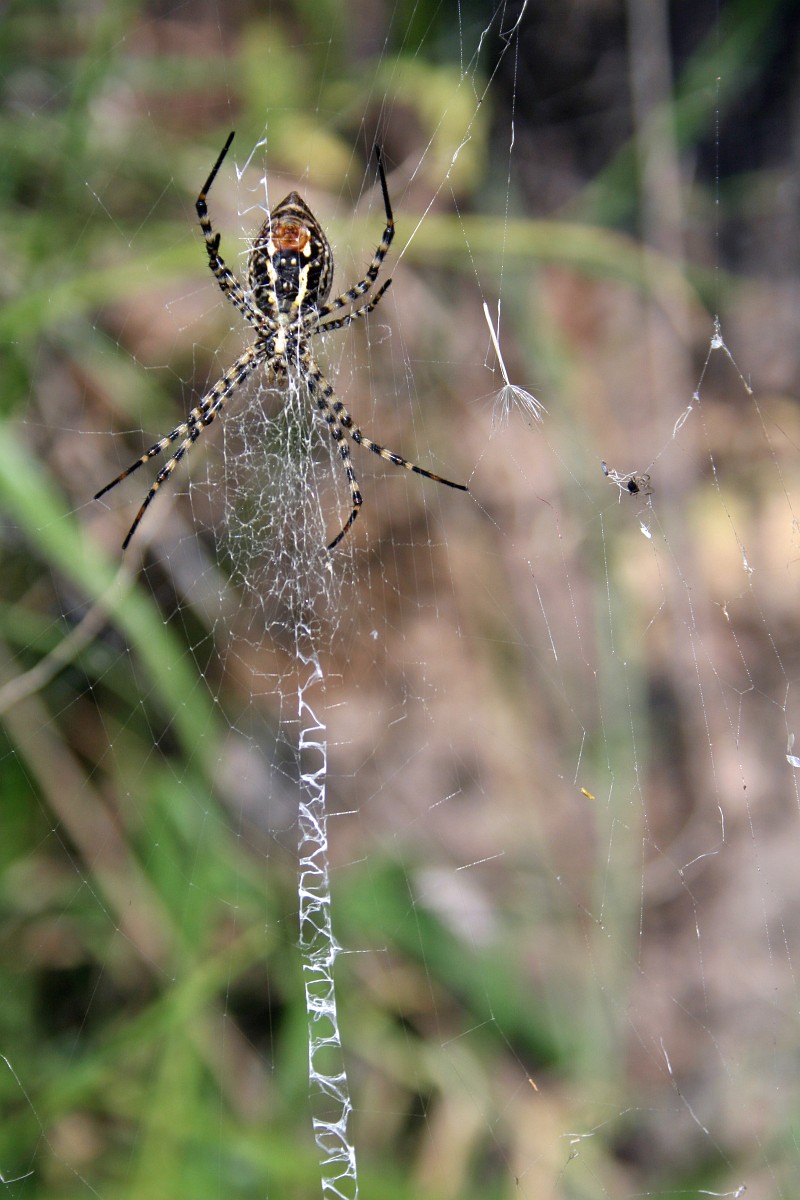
<point x="510" y="394"/>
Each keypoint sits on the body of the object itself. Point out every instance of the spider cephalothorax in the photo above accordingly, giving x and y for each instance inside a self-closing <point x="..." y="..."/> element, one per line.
<point x="290" y="266"/>
<point x="289" y="277"/>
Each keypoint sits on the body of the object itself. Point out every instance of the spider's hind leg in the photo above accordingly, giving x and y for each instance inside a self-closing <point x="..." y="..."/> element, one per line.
<point x="189" y="430"/>
<point x="322" y="392"/>
<point x="340" y="423"/>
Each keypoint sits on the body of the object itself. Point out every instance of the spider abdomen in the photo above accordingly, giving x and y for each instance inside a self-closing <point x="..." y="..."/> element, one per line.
<point x="290" y="268"/>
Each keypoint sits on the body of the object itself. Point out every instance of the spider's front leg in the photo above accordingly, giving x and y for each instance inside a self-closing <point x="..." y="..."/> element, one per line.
<point x="340" y="424"/>
<point x="359" y="289"/>
<point x="222" y="273"/>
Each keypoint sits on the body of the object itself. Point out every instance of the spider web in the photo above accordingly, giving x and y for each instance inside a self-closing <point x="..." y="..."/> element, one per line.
<point x="275" y="486"/>
<point x="515" y="771"/>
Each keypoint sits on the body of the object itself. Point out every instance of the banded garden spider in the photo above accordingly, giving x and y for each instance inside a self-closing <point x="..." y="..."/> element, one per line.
<point x="289" y="277"/>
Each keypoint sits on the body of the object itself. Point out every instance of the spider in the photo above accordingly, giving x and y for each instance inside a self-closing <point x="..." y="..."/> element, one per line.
<point x="289" y="277"/>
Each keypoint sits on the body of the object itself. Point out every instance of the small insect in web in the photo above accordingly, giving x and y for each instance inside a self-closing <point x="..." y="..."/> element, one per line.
<point x="634" y="483"/>
<point x="289" y="278"/>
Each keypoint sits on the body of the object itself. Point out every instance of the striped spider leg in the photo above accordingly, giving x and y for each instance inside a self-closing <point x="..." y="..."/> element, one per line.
<point x="289" y="278"/>
<point x="188" y="431"/>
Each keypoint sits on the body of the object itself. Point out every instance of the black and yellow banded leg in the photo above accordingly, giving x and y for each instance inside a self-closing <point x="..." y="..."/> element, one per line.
<point x="222" y="273"/>
<point x="357" y="291"/>
<point x="164" y="473"/>
<point x="337" y="433"/>
<point x="189" y="430"/>
<point x="340" y="423"/>
<point x="322" y="391"/>
<point x="389" y="455"/>
<point x="343" y="322"/>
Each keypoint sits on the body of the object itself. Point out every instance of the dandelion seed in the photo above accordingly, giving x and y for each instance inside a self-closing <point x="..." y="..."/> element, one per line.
<point x="510" y="395"/>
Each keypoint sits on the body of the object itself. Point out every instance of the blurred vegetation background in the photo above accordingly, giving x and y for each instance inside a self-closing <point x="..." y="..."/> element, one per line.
<point x="629" y="172"/>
